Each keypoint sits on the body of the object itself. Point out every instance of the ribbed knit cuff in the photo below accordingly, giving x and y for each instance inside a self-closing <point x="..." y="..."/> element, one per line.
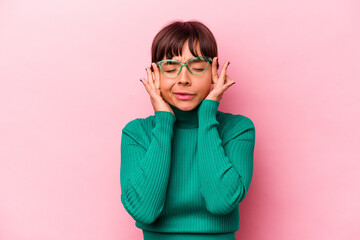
<point x="207" y="111"/>
<point x="164" y="120"/>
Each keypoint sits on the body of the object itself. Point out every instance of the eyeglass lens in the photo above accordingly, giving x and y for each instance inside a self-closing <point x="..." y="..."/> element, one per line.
<point x="171" y="69"/>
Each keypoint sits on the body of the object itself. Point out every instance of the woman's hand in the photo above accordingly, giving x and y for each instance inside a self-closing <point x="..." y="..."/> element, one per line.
<point x="220" y="83"/>
<point x="153" y="88"/>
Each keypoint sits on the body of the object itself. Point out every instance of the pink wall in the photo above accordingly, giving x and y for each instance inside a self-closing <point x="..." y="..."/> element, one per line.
<point x="70" y="74"/>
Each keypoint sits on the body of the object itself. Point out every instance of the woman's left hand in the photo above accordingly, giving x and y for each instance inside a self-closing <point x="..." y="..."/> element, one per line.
<point x="220" y="83"/>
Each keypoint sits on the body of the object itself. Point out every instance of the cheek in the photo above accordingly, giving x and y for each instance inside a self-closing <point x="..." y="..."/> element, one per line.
<point x="207" y="81"/>
<point x="164" y="87"/>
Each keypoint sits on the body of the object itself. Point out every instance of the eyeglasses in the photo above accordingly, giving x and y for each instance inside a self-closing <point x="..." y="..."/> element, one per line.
<point x="197" y="66"/>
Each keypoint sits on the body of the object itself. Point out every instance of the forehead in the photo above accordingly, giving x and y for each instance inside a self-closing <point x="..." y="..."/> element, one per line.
<point x="186" y="53"/>
<point x="184" y="59"/>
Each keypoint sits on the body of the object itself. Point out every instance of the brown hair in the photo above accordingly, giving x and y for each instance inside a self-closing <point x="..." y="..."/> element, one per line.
<point x="169" y="41"/>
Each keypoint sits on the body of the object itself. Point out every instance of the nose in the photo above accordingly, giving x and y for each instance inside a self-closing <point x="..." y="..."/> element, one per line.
<point x="184" y="77"/>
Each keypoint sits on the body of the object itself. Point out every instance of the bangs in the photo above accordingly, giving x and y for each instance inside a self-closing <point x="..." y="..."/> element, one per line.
<point x="170" y="40"/>
<point x="174" y="46"/>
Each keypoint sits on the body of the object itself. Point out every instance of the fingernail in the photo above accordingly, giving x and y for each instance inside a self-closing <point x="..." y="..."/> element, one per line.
<point x="140" y="80"/>
<point x="228" y="63"/>
<point x="145" y="69"/>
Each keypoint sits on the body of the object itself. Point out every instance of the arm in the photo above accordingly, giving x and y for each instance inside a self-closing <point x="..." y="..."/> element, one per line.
<point x="144" y="173"/>
<point x="225" y="171"/>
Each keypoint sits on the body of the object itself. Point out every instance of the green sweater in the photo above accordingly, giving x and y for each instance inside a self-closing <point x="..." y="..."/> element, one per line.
<point x="187" y="173"/>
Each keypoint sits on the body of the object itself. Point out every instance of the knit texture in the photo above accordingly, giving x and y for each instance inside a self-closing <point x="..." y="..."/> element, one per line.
<point x="187" y="173"/>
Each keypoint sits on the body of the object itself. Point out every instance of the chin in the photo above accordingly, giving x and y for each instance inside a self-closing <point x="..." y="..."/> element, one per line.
<point x="186" y="105"/>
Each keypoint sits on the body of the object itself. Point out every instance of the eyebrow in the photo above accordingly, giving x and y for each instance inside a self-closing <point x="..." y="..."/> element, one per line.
<point x="186" y="60"/>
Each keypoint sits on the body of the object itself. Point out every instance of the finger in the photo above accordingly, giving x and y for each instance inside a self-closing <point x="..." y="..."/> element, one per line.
<point x="146" y="84"/>
<point x="214" y="69"/>
<point x="227" y="79"/>
<point x="227" y="85"/>
<point x="157" y="75"/>
<point x="150" y="78"/>
<point x="223" y="72"/>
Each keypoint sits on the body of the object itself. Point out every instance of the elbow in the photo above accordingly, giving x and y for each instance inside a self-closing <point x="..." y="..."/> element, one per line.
<point x="146" y="220"/>
<point x="141" y="214"/>
<point x="219" y="207"/>
<point x="219" y="210"/>
<point x="224" y="203"/>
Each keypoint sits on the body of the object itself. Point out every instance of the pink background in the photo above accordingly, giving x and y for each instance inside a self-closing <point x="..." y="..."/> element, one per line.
<point x="70" y="72"/>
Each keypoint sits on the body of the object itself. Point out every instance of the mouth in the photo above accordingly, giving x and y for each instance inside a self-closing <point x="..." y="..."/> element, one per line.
<point x="184" y="95"/>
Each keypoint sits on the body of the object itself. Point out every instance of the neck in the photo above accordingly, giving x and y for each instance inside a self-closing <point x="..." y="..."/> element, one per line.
<point x="186" y="119"/>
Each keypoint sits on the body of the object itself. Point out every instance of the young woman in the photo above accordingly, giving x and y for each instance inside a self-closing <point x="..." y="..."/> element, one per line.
<point x="185" y="169"/>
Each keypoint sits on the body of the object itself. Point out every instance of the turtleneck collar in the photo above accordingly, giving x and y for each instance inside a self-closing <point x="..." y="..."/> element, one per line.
<point x="186" y="119"/>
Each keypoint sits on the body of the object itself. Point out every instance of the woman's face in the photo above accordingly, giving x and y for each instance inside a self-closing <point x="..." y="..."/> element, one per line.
<point x="199" y="85"/>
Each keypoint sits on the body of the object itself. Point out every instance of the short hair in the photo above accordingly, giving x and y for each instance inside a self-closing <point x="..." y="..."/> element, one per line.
<point x="170" y="40"/>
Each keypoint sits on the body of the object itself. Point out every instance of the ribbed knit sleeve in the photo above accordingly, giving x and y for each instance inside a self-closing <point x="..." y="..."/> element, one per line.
<point x="144" y="171"/>
<point x="225" y="171"/>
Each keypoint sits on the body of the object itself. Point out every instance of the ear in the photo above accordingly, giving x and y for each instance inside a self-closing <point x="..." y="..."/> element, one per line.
<point x="212" y="79"/>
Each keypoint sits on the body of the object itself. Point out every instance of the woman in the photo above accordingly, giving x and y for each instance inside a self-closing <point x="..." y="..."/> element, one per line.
<point x="185" y="169"/>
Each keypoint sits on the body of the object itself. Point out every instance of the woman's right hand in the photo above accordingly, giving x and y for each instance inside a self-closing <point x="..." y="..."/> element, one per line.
<point x="153" y="88"/>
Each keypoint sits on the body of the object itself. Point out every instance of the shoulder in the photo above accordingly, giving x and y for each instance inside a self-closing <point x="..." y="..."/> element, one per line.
<point x="234" y="120"/>
<point x="232" y="125"/>
<point x="139" y="127"/>
<point x="139" y="124"/>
